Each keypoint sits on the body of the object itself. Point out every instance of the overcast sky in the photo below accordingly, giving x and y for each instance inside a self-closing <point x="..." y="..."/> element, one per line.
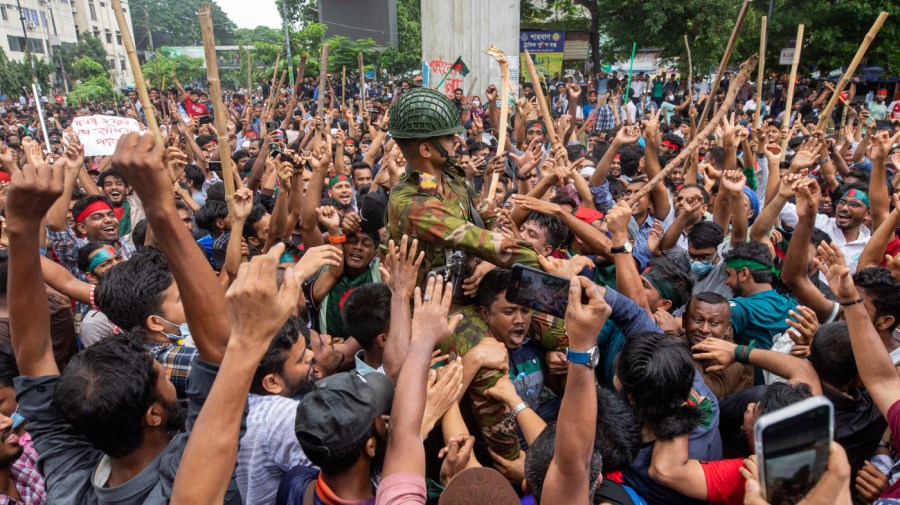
<point x="252" y="14"/>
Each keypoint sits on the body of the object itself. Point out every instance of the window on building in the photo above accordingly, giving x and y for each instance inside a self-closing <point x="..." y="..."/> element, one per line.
<point x="19" y="44"/>
<point x="96" y="33"/>
<point x="3" y="12"/>
<point x="108" y="37"/>
<point x="92" y="10"/>
<point x="122" y="63"/>
<point x="119" y="38"/>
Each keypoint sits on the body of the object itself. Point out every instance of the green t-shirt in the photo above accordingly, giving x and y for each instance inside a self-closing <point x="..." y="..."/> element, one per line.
<point x="337" y="295"/>
<point x="759" y="318"/>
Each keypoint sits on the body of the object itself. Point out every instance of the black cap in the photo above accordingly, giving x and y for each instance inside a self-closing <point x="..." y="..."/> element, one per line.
<point x="341" y="410"/>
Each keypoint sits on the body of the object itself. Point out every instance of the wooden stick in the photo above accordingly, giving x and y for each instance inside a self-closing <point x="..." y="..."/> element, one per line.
<point x="500" y="56"/>
<point x="250" y="74"/>
<point x="362" y="83"/>
<point x="690" y="86"/>
<point x="785" y="128"/>
<point x="760" y="74"/>
<point x="725" y="57"/>
<point x="215" y="94"/>
<point x="139" y="85"/>
<point x="271" y="97"/>
<point x="300" y="70"/>
<point x="542" y="102"/>
<point x="848" y="75"/>
<point x="323" y="80"/>
<point x="343" y="85"/>
<point x="733" y="88"/>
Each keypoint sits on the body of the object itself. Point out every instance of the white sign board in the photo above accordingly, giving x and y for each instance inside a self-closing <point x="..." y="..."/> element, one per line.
<point x="787" y="56"/>
<point x="100" y="134"/>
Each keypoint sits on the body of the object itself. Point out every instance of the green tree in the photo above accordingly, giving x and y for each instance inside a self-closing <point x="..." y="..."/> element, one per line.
<point x="833" y="32"/>
<point x="163" y="63"/>
<point x="300" y="12"/>
<point x="87" y="46"/>
<point x="408" y="53"/>
<point x="248" y="36"/>
<point x="174" y="23"/>
<point x="93" y="83"/>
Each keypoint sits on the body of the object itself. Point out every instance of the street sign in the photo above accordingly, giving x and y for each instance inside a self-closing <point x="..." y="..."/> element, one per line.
<point x="787" y="56"/>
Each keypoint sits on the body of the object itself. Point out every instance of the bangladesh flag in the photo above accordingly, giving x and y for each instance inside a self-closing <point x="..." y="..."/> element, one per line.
<point x="460" y="66"/>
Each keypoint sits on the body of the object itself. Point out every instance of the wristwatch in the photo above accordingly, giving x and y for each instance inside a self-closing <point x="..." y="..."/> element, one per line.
<point x="624" y="248"/>
<point x="590" y="358"/>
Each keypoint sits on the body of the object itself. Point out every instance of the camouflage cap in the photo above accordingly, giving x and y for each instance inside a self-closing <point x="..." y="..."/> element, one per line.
<point x="423" y="113"/>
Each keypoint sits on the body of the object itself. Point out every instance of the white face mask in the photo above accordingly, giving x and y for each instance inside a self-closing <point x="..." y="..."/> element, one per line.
<point x="476" y="103"/>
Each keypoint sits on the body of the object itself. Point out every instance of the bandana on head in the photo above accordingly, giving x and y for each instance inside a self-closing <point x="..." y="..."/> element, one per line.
<point x="739" y="263"/>
<point x="97" y="206"/>
<point x="859" y="195"/>
<point x="664" y="286"/>
<point x="671" y="145"/>
<point x="100" y="256"/>
<point x="334" y="181"/>
<point x="537" y="122"/>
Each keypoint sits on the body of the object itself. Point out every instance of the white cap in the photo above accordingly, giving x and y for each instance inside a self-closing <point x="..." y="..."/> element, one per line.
<point x="245" y="144"/>
<point x="587" y="171"/>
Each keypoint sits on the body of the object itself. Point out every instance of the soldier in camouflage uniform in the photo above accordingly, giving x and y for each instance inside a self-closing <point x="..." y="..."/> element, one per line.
<point x="433" y="201"/>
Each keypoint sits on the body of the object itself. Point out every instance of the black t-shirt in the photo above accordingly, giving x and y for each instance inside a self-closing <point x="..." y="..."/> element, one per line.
<point x="612" y="492"/>
<point x="858" y="424"/>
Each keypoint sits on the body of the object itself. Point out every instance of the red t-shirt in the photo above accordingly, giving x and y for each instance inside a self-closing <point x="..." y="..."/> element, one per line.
<point x="724" y="482"/>
<point x="893" y="419"/>
<point x="195" y="109"/>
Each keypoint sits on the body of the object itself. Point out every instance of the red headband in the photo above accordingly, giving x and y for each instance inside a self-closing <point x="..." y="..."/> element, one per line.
<point x="671" y="145"/>
<point x="90" y="209"/>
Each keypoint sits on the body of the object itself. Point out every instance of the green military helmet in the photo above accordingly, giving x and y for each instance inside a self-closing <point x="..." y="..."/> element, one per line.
<point x="423" y="113"/>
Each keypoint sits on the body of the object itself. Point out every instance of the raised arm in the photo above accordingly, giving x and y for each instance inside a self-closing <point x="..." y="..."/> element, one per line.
<point x="876" y="369"/>
<point x="874" y="251"/>
<point x="57" y="277"/>
<point x="878" y="193"/>
<point x="399" y="271"/>
<point x="318" y="160"/>
<point x="628" y="279"/>
<point x="659" y="195"/>
<point x="140" y="158"/>
<point x="430" y="326"/>
<point x="257" y="309"/>
<point x="794" y="271"/>
<point x="568" y="477"/>
<point x="30" y="193"/>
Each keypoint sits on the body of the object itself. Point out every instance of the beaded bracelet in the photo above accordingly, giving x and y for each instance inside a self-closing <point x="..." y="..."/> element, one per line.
<point x="854" y="302"/>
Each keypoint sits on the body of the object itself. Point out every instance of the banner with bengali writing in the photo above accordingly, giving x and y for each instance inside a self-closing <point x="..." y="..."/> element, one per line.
<point x="100" y="134"/>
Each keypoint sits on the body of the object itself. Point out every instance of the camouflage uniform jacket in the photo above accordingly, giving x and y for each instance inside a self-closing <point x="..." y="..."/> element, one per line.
<point x="439" y="214"/>
<point x="498" y="428"/>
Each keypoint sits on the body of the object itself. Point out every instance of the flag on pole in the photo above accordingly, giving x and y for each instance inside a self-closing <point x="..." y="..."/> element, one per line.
<point x="460" y="66"/>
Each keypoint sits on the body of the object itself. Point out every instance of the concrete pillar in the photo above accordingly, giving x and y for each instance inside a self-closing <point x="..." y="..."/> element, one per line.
<point x="454" y="28"/>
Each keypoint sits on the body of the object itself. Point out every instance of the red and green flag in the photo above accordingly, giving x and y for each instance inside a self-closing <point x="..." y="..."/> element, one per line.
<point x="460" y="66"/>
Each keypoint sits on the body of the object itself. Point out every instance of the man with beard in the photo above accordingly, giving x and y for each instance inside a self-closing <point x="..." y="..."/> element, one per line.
<point x="126" y="205"/>
<point x="341" y="429"/>
<point x="269" y="447"/>
<point x="340" y="189"/>
<point x="878" y="110"/>
<point x="758" y="312"/>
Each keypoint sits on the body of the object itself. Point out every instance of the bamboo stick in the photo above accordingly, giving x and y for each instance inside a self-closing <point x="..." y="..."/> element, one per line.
<point x="690" y="86"/>
<point x="760" y="74"/>
<point x="542" y="102"/>
<point x="250" y="75"/>
<point x="300" y="71"/>
<point x="500" y="56"/>
<point x="343" y="85"/>
<point x="785" y="124"/>
<point x="733" y="89"/>
<point x="725" y="57"/>
<point x="362" y="82"/>
<point x="215" y="95"/>
<point x="845" y="78"/>
<point x="139" y="85"/>
<point x="323" y="80"/>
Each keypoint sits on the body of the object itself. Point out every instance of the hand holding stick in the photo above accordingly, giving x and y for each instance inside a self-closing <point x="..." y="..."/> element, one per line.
<point x="500" y="56"/>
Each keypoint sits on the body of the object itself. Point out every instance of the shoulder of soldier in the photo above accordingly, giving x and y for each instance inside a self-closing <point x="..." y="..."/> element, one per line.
<point x="470" y="331"/>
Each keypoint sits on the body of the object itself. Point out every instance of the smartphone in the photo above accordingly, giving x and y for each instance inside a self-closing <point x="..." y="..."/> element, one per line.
<point x="205" y="119"/>
<point x="215" y="166"/>
<point x="792" y="447"/>
<point x="883" y="124"/>
<point x="538" y="290"/>
<point x="271" y="125"/>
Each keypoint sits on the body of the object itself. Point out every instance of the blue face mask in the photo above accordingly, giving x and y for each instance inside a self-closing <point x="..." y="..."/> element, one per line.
<point x="701" y="268"/>
<point x="17" y="419"/>
<point x="183" y="331"/>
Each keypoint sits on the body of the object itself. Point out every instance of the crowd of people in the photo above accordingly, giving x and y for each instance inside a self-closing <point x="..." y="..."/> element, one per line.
<point x="337" y="330"/>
